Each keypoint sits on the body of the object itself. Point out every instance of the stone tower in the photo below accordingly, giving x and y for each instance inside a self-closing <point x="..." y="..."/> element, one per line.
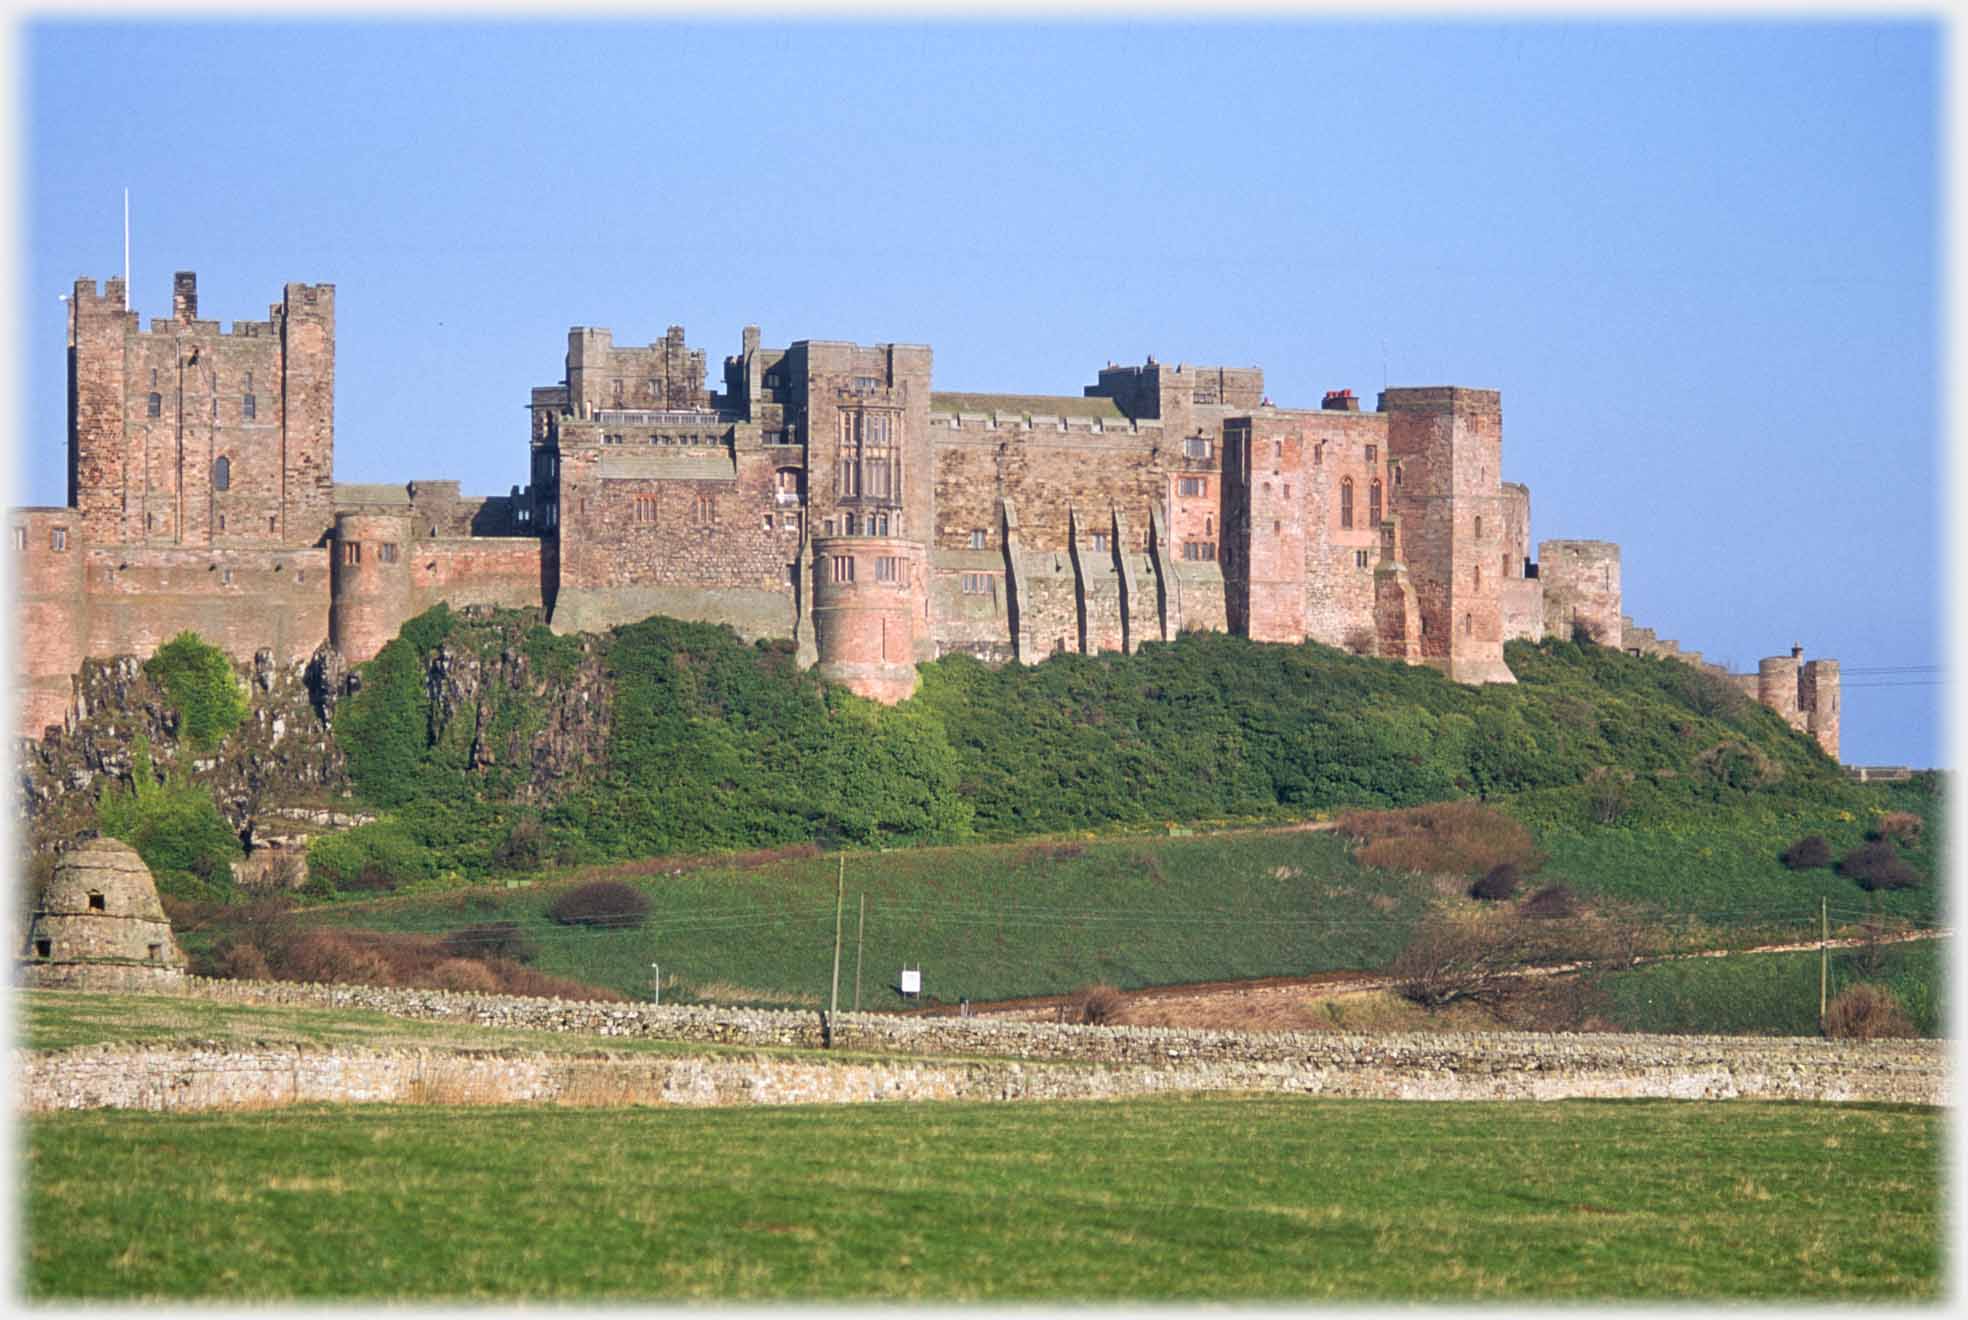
<point x="99" y="925"/>
<point x="1448" y="441"/>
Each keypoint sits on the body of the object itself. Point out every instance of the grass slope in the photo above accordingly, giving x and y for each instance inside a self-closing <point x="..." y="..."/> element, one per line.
<point x="981" y="921"/>
<point x="1184" y="1199"/>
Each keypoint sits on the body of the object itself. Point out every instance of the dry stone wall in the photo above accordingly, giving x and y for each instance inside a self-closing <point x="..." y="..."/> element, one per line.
<point x="954" y="1058"/>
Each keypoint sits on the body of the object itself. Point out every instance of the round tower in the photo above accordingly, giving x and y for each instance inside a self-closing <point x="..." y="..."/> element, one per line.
<point x="370" y="596"/>
<point x="1776" y="686"/>
<point x="870" y="606"/>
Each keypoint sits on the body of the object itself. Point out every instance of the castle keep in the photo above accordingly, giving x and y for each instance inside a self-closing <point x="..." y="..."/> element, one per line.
<point x="825" y="493"/>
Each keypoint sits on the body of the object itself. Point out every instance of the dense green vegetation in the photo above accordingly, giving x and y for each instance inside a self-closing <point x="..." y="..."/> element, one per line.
<point x="198" y="681"/>
<point x="174" y="827"/>
<point x="1184" y="1199"/>
<point x="716" y="745"/>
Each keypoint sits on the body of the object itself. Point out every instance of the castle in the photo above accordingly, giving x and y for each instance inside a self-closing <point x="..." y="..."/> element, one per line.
<point x="825" y="494"/>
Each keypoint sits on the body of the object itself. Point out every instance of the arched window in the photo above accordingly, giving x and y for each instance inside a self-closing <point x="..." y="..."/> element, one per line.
<point x="221" y="473"/>
<point x="1346" y="502"/>
<point x="1373" y="503"/>
<point x="1479" y="577"/>
<point x="1479" y="526"/>
<point x="1468" y="625"/>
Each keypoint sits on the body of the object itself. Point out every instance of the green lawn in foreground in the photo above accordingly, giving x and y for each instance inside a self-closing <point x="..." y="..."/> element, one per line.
<point x="1189" y="1198"/>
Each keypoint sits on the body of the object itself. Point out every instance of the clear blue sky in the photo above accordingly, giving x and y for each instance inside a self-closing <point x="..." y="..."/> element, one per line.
<point x="1699" y="259"/>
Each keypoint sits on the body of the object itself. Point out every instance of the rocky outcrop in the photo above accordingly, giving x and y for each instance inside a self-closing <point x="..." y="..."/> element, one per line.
<point x="533" y="716"/>
<point x="280" y="753"/>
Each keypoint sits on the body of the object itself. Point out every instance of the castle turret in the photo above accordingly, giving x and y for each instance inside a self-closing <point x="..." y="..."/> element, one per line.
<point x="371" y="592"/>
<point x="870" y="613"/>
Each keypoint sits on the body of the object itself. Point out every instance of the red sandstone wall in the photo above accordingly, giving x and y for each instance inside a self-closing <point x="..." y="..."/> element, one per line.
<point x="49" y="618"/>
<point x="1448" y="442"/>
<point x="491" y="570"/>
<point x="140" y="597"/>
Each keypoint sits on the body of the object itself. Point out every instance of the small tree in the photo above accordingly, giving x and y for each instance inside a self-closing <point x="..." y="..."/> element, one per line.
<point x="198" y="680"/>
<point x="1807" y="853"/>
<point x="1461" y="961"/>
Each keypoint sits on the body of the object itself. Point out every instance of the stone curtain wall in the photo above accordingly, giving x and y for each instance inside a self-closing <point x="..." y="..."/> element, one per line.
<point x="953" y="1058"/>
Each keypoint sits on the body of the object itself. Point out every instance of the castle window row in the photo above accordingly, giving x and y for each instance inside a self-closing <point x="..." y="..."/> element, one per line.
<point x="1199" y="550"/>
<point x="979" y="584"/>
<point x="1192" y="485"/>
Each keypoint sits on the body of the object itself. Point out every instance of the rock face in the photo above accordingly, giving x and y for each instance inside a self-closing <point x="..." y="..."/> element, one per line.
<point x="280" y="752"/>
<point x="281" y="778"/>
<point x="100" y="927"/>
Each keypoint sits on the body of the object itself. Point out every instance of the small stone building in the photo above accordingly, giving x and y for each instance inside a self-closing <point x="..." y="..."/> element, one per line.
<point x="100" y="926"/>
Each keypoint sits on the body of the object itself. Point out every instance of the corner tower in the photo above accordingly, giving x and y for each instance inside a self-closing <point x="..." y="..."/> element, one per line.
<point x="1448" y="441"/>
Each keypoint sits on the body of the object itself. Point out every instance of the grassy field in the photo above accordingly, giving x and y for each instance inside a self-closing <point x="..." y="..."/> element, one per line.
<point x="1185" y="1199"/>
<point x="1771" y="994"/>
<point x="981" y="921"/>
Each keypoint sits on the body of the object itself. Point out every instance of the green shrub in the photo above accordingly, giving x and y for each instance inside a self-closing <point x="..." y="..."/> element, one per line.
<point x="377" y="857"/>
<point x="175" y="827"/>
<point x="198" y="681"/>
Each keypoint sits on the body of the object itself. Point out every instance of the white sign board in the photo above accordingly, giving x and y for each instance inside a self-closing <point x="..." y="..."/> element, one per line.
<point x="912" y="980"/>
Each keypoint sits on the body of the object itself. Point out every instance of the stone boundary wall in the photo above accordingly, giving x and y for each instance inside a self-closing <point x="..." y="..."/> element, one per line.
<point x="981" y="1058"/>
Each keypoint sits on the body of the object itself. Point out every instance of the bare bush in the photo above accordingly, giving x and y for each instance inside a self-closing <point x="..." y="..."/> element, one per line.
<point x="1098" y="1005"/>
<point x="1807" y="853"/>
<point x="492" y="939"/>
<point x="1553" y="901"/>
<point x="1361" y="641"/>
<point x="1498" y="883"/>
<point x="606" y="904"/>
<point x="1878" y="865"/>
<point x="1866" y="1011"/>
<point x="463" y="974"/>
<point x="1898" y="827"/>
<point x="1453" y="838"/>
<point x="1451" y="961"/>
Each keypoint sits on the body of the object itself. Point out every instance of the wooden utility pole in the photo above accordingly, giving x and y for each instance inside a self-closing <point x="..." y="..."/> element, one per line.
<point x="860" y="928"/>
<point x="840" y="898"/>
<point x="1824" y="958"/>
